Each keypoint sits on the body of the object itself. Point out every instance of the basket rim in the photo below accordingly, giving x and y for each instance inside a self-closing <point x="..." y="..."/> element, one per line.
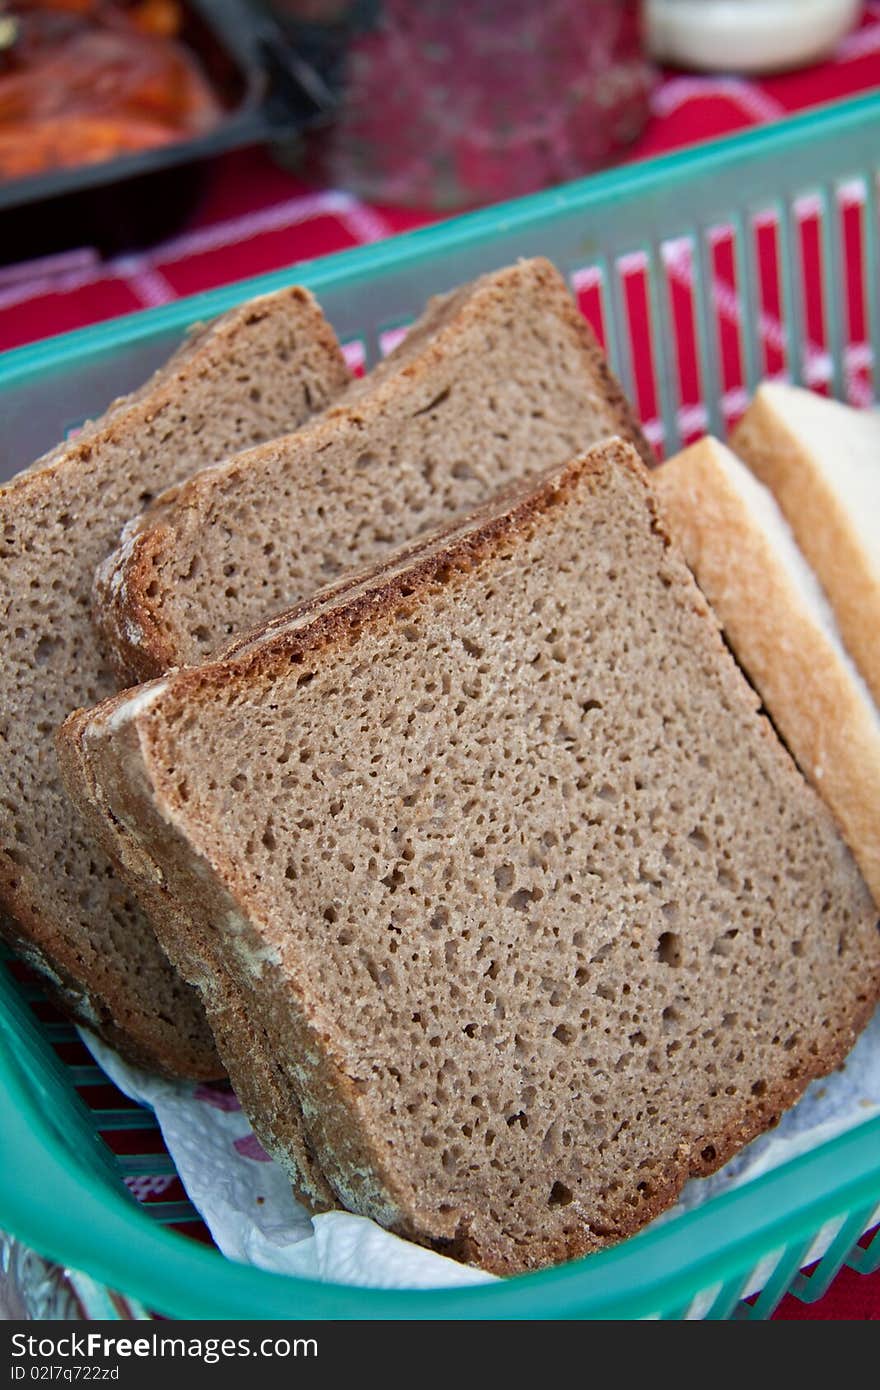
<point x="408" y="250"/>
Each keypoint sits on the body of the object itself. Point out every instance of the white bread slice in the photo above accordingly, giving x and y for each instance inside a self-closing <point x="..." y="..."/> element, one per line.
<point x="782" y="631"/>
<point x="821" y="460"/>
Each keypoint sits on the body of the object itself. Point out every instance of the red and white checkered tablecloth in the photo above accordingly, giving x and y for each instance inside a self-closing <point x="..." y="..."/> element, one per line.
<point x="254" y="217"/>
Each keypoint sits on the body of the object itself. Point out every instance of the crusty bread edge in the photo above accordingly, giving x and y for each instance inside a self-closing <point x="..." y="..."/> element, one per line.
<point x="105" y="1006"/>
<point x="821" y="523"/>
<point x="135" y="645"/>
<point x="176" y="902"/>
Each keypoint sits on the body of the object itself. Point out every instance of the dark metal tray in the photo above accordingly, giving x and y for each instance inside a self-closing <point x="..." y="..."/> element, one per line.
<point x="268" y="93"/>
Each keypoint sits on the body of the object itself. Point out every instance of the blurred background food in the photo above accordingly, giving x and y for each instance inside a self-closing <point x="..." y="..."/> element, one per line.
<point x="447" y="106"/>
<point x="112" y="111"/>
<point x="86" y="80"/>
<point x="418" y="102"/>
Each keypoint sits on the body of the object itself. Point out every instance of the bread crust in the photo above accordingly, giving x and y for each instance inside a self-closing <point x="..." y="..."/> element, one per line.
<point x="812" y="699"/>
<point x="139" y="803"/>
<point x="821" y="523"/>
<point x="185" y="906"/>
<point x="130" y="590"/>
<point x="122" y="611"/>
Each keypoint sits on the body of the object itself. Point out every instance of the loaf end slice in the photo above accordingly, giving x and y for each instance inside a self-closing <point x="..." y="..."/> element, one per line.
<point x="495" y="376"/>
<point x="535" y="913"/>
<point x="783" y="633"/>
<point x="259" y="370"/>
<point x="184" y="916"/>
<point x="821" y="460"/>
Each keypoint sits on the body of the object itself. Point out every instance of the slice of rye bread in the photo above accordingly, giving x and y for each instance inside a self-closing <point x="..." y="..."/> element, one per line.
<point x="821" y="461"/>
<point x="500" y="377"/>
<point x="783" y="633"/>
<point x="532" y="911"/>
<point x="261" y="369"/>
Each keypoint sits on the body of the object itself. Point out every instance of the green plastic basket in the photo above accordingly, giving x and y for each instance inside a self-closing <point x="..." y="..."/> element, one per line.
<point x="810" y="186"/>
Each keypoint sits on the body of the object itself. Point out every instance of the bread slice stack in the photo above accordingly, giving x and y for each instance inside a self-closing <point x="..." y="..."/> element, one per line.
<point x="495" y="382"/>
<point x="474" y="856"/>
<point x="501" y="876"/>
<point x="785" y="633"/>
<point x="502" y="373"/>
<point x="256" y="372"/>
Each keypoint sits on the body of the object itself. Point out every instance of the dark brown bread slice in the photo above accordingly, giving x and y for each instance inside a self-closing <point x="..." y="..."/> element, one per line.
<point x="255" y="372"/>
<point x="529" y="906"/>
<point x="499" y="378"/>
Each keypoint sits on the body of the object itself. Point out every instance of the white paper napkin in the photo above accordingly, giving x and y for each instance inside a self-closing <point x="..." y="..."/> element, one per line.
<point x="247" y="1204"/>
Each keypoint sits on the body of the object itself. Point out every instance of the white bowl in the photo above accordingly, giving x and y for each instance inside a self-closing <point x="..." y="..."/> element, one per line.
<point x="746" y="35"/>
